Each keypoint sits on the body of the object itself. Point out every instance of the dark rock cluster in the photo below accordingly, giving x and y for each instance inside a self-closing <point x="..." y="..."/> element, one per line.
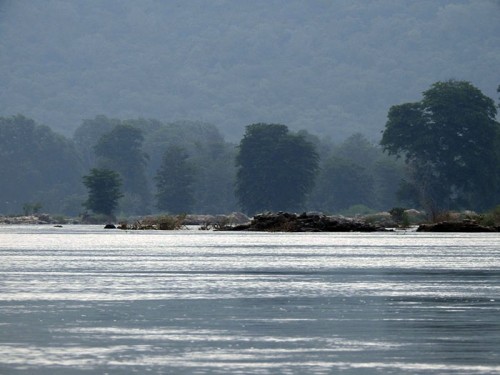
<point x="289" y="222"/>
<point x="465" y="226"/>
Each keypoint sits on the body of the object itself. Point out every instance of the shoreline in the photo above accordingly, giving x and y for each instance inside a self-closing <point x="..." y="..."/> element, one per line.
<point x="265" y="222"/>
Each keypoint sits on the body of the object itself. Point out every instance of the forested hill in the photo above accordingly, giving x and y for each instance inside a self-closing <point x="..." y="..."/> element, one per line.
<point x="332" y="67"/>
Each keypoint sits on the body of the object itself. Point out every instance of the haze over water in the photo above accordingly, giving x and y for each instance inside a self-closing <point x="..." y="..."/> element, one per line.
<point x="80" y="299"/>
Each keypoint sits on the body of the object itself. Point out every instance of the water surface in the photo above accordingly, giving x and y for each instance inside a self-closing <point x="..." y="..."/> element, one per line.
<point x="84" y="300"/>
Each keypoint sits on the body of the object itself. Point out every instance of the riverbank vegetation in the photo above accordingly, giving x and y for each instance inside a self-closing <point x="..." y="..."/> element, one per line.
<point x="397" y="219"/>
<point x="437" y="155"/>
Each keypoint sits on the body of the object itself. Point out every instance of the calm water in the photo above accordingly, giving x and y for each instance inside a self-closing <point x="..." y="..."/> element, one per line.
<point x="83" y="300"/>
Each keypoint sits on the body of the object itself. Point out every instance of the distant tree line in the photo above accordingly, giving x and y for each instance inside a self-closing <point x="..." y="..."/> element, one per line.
<point x="440" y="153"/>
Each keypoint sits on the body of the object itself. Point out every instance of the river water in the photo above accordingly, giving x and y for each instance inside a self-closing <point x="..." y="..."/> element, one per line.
<point x="84" y="300"/>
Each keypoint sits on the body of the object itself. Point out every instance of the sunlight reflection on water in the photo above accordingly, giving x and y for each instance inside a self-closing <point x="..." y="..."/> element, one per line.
<point x="84" y="300"/>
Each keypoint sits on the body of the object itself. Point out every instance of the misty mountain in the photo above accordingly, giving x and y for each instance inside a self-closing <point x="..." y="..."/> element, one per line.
<point x="332" y="67"/>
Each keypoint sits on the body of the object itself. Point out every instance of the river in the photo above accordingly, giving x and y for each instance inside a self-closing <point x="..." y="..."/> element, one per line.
<point x="84" y="300"/>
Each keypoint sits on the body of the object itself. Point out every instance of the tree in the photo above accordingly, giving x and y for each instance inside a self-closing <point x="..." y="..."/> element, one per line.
<point x="211" y="156"/>
<point x="36" y="165"/>
<point x="388" y="173"/>
<point x="355" y="172"/>
<point x="104" y="191"/>
<point x="449" y="140"/>
<point x="87" y="135"/>
<point x="359" y="150"/>
<point x="342" y="184"/>
<point x="369" y="161"/>
<point x="174" y="182"/>
<point x="214" y="180"/>
<point x="121" y="150"/>
<point x="276" y="169"/>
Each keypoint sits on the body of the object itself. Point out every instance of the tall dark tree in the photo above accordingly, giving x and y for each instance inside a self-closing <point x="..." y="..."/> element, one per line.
<point x="276" y="169"/>
<point x="121" y="150"/>
<point x="449" y="139"/>
<point x="174" y="182"/>
<point x="104" y="191"/>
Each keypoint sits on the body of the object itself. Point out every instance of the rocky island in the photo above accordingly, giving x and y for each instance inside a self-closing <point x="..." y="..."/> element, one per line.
<point x="305" y="222"/>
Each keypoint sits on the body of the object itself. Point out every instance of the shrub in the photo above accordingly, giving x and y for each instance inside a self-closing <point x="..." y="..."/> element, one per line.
<point x="167" y="222"/>
<point x="491" y="218"/>
<point x="400" y="216"/>
<point x="163" y="222"/>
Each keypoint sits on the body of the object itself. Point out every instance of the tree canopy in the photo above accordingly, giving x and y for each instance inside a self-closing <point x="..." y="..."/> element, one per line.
<point x="276" y="169"/>
<point x="449" y="139"/>
<point x="174" y="182"/>
<point x="120" y="150"/>
<point x="104" y="191"/>
<point x="36" y="165"/>
<point x="356" y="172"/>
<point x="344" y="184"/>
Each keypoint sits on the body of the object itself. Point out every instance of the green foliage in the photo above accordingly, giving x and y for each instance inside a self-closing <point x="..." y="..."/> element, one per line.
<point x="162" y="222"/>
<point x="388" y="173"/>
<point x="174" y="182"/>
<point x="88" y="134"/>
<point x="36" y="165"/>
<point x="166" y="222"/>
<point x="491" y="218"/>
<point x="343" y="184"/>
<point x="117" y="144"/>
<point x="121" y="150"/>
<point x="209" y="153"/>
<point x="355" y="172"/>
<point x="276" y="169"/>
<point x="104" y="191"/>
<point x="400" y="216"/>
<point x="214" y="181"/>
<point x="397" y="213"/>
<point x="359" y="150"/>
<point x="448" y="138"/>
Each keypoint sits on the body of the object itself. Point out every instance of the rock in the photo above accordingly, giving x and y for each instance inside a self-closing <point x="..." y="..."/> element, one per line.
<point x="465" y="226"/>
<point x="289" y="222"/>
<point x="109" y="226"/>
